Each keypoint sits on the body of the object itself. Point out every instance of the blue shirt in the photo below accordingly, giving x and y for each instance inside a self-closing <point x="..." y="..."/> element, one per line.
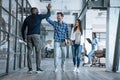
<point x="33" y="23"/>
<point x="94" y="43"/>
<point x="60" y="30"/>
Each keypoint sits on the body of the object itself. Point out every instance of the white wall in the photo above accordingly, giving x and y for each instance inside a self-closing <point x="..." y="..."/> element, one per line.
<point x="95" y="23"/>
<point x="63" y="4"/>
<point x="72" y="6"/>
<point x="111" y="36"/>
<point x="35" y="3"/>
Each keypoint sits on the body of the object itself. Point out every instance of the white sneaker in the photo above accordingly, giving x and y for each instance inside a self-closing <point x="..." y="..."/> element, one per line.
<point x="38" y="72"/>
<point x="89" y="65"/>
<point x="30" y="72"/>
<point x="75" y="69"/>
<point x="56" y="70"/>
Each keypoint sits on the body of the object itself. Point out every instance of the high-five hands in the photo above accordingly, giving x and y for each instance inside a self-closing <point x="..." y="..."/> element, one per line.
<point x="49" y="6"/>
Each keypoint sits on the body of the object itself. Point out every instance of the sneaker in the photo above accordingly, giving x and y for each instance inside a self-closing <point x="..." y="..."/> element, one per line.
<point x="56" y="70"/>
<point x="39" y="70"/>
<point x="75" y="69"/>
<point x="89" y="65"/>
<point x="30" y="72"/>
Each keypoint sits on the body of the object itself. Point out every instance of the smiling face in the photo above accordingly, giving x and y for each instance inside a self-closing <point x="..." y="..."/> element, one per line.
<point x="77" y="23"/>
<point x="59" y="17"/>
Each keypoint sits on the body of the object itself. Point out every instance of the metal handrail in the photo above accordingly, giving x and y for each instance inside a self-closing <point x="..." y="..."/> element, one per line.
<point x="9" y="13"/>
<point x="10" y="34"/>
<point x="83" y="9"/>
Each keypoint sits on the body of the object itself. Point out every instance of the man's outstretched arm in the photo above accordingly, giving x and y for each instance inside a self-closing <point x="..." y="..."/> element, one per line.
<point x="42" y="16"/>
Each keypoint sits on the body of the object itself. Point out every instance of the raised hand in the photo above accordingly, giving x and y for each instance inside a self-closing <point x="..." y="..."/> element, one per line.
<point x="49" y="6"/>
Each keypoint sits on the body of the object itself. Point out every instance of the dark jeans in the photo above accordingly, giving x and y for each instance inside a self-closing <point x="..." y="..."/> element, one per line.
<point x="76" y="52"/>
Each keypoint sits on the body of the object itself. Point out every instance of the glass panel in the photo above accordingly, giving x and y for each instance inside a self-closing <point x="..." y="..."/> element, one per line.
<point x="5" y="4"/>
<point x="17" y="50"/>
<point x="20" y="9"/>
<point x="19" y="13"/>
<point x="13" y="20"/>
<point x="20" y="2"/>
<point x="12" y="51"/>
<point x="22" y="55"/>
<point x="19" y="28"/>
<point x="27" y="9"/>
<point x="17" y="60"/>
<point x="17" y="55"/>
<point x="3" y="53"/>
<point x="16" y="47"/>
<point x="11" y="62"/>
<point x="4" y="20"/>
<point x="3" y="40"/>
<point x="13" y="7"/>
<point x="13" y="26"/>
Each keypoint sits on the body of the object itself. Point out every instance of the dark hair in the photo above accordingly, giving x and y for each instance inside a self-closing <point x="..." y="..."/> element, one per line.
<point x="80" y="26"/>
<point x="60" y="14"/>
<point x="33" y="9"/>
<point x="94" y="34"/>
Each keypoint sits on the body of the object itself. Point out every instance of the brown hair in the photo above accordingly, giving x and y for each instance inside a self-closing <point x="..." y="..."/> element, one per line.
<point x="80" y="26"/>
<point x="94" y="34"/>
<point x="60" y="14"/>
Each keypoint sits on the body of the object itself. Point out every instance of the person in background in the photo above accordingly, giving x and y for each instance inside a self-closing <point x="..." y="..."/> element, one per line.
<point x="76" y="34"/>
<point x="32" y="23"/>
<point x="60" y="40"/>
<point x="94" y="44"/>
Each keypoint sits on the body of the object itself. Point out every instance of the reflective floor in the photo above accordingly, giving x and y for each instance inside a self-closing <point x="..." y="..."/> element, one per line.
<point x="86" y="73"/>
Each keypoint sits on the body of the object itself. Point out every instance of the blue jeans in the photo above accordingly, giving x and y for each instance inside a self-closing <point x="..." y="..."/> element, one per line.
<point x="90" y="55"/>
<point x="76" y="52"/>
<point x="58" y="46"/>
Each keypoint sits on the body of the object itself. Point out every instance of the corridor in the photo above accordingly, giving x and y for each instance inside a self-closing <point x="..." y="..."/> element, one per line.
<point x="94" y="24"/>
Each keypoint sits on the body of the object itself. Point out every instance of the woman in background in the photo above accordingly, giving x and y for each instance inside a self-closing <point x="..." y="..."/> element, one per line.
<point x="94" y="44"/>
